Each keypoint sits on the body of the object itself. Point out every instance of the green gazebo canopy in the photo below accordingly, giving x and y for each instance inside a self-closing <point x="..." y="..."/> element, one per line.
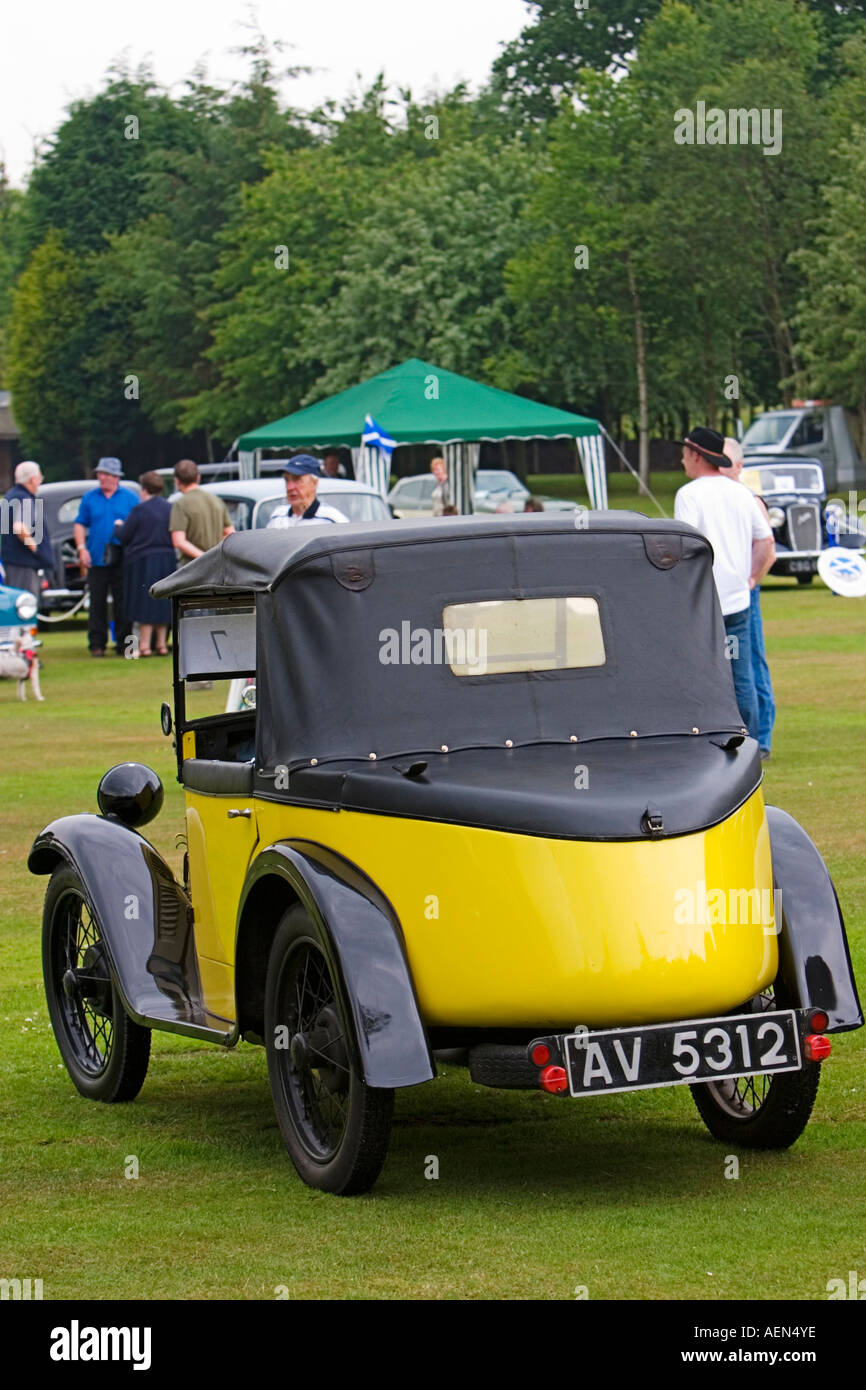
<point x="419" y="403"/>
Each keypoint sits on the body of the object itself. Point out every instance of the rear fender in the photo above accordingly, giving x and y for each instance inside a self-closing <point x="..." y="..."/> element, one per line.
<point x="361" y="933"/>
<point x="144" y="917"/>
<point x="814" y="960"/>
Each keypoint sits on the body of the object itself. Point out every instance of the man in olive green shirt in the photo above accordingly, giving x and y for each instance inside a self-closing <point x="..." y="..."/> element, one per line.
<point x="199" y="520"/>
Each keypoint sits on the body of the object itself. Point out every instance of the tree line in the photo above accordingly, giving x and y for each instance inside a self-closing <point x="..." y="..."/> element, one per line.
<point x="649" y="213"/>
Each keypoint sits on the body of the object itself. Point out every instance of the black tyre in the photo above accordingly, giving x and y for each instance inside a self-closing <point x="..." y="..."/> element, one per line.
<point x="105" y="1052"/>
<point x="805" y="578"/>
<point x="760" y="1112"/>
<point x="335" y="1127"/>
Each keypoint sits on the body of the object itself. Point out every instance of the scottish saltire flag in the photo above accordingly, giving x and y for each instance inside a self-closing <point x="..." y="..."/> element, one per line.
<point x="373" y="462"/>
<point x="373" y="437"/>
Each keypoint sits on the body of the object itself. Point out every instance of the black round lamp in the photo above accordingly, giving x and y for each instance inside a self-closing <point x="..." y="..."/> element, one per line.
<point x="131" y="793"/>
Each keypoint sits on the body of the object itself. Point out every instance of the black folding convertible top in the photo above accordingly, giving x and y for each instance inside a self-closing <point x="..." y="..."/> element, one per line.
<point x="327" y="594"/>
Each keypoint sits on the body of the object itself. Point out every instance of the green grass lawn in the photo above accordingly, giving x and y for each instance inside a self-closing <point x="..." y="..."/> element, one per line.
<point x="535" y="1195"/>
<point x="621" y="490"/>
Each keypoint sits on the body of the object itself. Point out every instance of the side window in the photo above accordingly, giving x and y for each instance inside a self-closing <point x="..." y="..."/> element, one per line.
<point x="217" y="641"/>
<point x="68" y="510"/>
<point x="809" y="431"/>
<point x="358" y="506"/>
<point x="427" y="489"/>
<point x="408" y="494"/>
<point x="217" y="663"/>
<point x="239" y="513"/>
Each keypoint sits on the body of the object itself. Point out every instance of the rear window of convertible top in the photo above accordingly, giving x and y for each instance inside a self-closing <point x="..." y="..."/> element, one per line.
<point x="538" y="634"/>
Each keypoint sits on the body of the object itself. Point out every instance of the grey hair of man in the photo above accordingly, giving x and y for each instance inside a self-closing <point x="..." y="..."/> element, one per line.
<point x="25" y="473"/>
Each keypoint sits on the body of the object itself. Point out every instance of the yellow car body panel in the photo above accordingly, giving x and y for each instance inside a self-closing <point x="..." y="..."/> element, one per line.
<point x="218" y="989"/>
<point x="220" y="848"/>
<point x="504" y="929"/>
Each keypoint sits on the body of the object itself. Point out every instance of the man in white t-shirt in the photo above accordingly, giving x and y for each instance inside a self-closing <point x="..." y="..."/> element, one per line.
<point x="302" y="507"/>
<point x="742" y="542"/>
<point x="760" y="667"/>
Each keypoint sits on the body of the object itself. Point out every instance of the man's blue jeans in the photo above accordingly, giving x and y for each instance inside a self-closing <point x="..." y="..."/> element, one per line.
<point x="739" y="629"/>
<point x="761" y="673"/>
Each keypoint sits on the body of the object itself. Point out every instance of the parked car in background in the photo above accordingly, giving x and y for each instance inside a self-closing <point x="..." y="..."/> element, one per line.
<point x="227" y="471"/>
<point x="413" y="496"/>
<point x="803" y="522"/>
<point x="209" y="473"/>
<point x="17" y="615"/>
<point x="251" y="502"/>
<point x="60" y="502"/>
<point x="816" y="430"/>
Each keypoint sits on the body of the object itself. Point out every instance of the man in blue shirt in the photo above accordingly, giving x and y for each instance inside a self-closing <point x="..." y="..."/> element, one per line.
<point x="99" y="559"/>
<point x="26" y="545"/>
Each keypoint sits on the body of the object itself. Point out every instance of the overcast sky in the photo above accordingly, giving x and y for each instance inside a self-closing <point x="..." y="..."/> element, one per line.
<point x="52" y="51"/>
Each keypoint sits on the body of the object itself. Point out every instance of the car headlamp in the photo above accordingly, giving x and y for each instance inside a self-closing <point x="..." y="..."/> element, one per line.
<point x="835" y="517"/>
<point x="776" y="516"/>
<point x="26" y="607"/>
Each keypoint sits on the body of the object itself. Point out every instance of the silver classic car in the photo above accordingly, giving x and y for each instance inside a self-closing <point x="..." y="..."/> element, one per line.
<point x="413" y="496"/>
<point x="252" y="502"/>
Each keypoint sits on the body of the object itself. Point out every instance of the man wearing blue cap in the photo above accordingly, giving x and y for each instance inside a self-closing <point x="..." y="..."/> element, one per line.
<point x="99" y="559"/>
<point x="302" y="475"/>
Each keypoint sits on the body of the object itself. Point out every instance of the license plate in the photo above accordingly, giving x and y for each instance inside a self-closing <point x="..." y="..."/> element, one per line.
<point x="803" y="566"/>
<point x="673" y="1054"/>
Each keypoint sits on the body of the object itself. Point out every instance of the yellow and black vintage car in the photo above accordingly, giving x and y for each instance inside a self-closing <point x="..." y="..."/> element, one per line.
<point x="487" y="789"/>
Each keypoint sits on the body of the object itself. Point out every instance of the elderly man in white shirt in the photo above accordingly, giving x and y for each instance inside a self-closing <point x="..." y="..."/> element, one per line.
<point x="742" y="542"/>
<point x="302" y="474"/>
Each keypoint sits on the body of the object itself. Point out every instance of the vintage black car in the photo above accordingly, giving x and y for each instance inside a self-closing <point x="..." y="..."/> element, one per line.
<point x="60" y="503"/>
<point x="803" y="521"/>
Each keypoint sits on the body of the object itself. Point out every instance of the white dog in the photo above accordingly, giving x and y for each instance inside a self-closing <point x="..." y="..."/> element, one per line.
<point x="19" y="662"/>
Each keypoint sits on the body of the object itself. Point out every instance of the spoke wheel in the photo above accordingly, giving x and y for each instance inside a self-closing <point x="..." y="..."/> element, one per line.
<point x="105" y="1052"/>
<point x="760" y="1112"/>
<point x="335" y="1127"/>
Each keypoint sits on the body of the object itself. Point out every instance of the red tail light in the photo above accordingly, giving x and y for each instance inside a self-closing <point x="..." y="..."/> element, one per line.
<point x="540" y="1054"/>
<point x="553" y="1079"/>
<point x="818" y="1021"/>
<point x="815" y="1047"/>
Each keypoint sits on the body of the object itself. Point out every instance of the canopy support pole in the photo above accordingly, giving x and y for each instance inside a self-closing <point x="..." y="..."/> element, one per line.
<point x="633" y="471"/>
<point x="591" y="451"/>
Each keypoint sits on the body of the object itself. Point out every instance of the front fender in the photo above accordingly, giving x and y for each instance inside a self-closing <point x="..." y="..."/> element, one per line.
<point x="814" y="960"/>
<point x="143" y="916"/>
<point x="361" y="931"/>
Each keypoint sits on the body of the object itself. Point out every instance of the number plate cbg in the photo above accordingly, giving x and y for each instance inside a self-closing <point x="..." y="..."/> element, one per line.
<point x="665" y="1054"/>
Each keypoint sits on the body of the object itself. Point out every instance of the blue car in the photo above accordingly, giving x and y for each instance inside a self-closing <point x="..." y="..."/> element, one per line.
<point x="18" y="610"/>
